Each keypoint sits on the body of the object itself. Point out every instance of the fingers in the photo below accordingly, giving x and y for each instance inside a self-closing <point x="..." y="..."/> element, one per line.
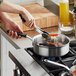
<point x="13" y="34"/>
<point x="10" y="33"/>
<point x="17" y="28"/>
<point x="30" y="22"/>
<point x="16" y="35"/>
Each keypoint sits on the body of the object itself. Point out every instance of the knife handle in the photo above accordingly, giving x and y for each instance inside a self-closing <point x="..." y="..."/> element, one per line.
<point x="19" y="34"/>
<point x="22" y="18"/>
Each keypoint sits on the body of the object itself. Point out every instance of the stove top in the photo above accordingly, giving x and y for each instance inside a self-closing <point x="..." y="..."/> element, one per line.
<point x="54" y="70"/>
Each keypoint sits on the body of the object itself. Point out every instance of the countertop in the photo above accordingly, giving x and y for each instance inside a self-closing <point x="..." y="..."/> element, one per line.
<point x="25" y="42"/>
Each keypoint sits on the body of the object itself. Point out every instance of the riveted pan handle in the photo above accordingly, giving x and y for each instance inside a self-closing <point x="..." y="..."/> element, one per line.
<point x="22" y="35"/>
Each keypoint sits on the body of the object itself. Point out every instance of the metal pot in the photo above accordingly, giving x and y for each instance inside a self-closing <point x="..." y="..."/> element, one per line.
<point x="48" y="51"/>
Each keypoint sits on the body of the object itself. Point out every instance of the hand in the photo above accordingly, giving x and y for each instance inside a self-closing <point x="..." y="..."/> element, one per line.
<point x="13" y="8"/>
<point x="13" y="29"/>
<point x="30" y="22"/>
<point x="10" y="25"/>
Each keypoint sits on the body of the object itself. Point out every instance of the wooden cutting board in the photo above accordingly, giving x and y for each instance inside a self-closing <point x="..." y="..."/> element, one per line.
<point x="43" y="17"/>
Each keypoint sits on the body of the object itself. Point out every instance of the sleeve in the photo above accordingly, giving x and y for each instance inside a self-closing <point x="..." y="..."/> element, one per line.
<point x="1" y="1"/>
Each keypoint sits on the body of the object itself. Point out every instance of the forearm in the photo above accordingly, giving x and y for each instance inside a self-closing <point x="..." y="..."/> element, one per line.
<point x="11" y="8"/>
<point x="3" y="16"/>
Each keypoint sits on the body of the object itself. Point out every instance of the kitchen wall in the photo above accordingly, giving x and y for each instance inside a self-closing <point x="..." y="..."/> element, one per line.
<point x="27" y="1"/>
<point x="48" y="2"/>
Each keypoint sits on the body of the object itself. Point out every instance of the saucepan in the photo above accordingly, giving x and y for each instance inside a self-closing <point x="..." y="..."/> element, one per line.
<point x="41" y="47"/>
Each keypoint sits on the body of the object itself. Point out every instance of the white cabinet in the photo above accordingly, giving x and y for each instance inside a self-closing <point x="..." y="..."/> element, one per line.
<point x="7" y="65"/>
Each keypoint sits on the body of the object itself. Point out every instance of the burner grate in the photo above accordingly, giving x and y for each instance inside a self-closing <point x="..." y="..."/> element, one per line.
<point x="68" y="60"/>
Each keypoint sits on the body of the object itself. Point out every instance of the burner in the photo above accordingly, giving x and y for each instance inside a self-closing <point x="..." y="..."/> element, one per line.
<point x="53" y="70"/>
<point x="52" y="58"/>
<point x="42" y="59"/>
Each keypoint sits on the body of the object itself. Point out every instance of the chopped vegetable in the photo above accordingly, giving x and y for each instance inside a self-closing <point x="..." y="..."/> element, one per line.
<point x="53" y="34"/>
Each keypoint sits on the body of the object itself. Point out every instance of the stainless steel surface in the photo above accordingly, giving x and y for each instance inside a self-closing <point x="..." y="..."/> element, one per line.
<point x="52" y="6"/>
<point x="74" y="62"/>
<point x="38" y="29"/>
<point x="49" y="51"/>
<point x="43" y="33"/>
<point x="26" y="63"/>
<point x="58" y="64"/>
<point x="29" y="37"/>
<point x="70" y="70"/>
<point x="64" y="73"/>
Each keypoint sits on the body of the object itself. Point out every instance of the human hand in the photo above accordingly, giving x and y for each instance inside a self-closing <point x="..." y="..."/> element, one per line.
<point x="13" y="8"/>
<point x="10" y="25"/>
<point x="13" y="28"/>
<point x="28" y="19"/>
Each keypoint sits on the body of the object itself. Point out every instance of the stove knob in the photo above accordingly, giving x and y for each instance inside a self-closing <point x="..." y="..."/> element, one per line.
<point x="63" y="73"/>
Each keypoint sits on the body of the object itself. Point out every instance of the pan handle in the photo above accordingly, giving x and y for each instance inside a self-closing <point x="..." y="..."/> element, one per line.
<point x="22" y="35"/>
<point x="58" y="64"/>
<point x="19" y="34"/>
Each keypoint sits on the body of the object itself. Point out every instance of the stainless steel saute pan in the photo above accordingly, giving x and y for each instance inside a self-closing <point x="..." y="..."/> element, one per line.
<point x="46" y="50"/>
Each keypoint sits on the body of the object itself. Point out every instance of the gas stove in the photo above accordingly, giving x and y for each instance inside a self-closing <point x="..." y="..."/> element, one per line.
<point x="54" y="70"/>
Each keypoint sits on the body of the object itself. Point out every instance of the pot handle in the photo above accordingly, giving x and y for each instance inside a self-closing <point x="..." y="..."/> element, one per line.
<point x="22" y="35"/>
<point x="58" y="64"/>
